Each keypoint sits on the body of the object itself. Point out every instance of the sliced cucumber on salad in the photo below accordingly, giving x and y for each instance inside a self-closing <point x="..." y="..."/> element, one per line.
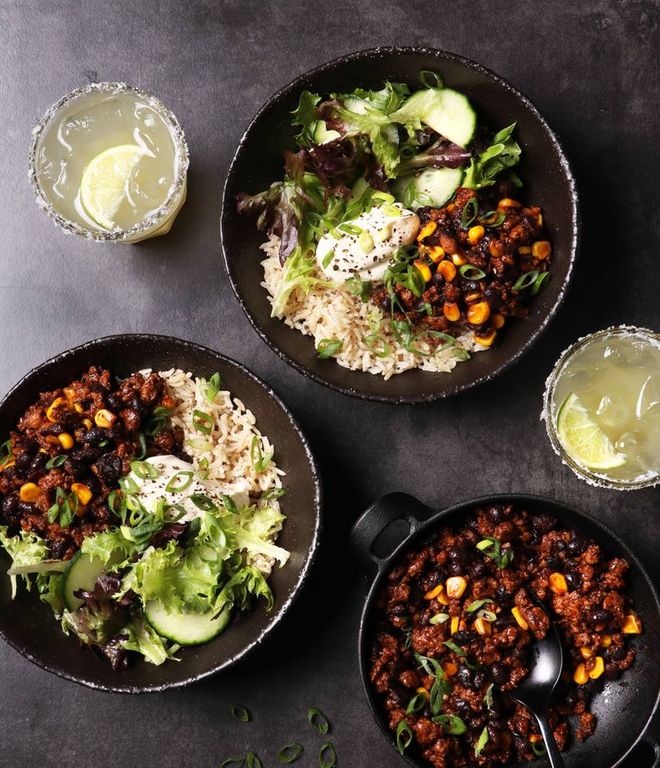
<point x="184" y="627"/>
<point x="433" y="186"/>
<point x="448" y="112"/>
<point x="82" y="573"/>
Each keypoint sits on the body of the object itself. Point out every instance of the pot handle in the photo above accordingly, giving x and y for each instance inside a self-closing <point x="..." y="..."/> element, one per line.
<point x="394" y="506"/>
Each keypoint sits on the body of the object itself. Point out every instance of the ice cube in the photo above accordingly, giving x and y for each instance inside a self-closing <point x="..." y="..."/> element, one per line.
<point x="649" y="395"/>
<point x="611" y="413"/>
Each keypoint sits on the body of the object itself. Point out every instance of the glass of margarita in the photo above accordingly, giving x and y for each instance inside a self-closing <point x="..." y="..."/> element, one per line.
<point x="109" y="162"/>
<point x="602" y="408"/>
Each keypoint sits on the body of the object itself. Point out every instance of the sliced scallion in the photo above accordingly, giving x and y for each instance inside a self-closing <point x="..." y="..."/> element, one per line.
<point x="525" y="280"/>
<point x="404" y="736"/>
<point x="179" y="482"/>
<point x="240" y="713"/>
<point x="470" y="272"/>
<point x="328" y="348"/>
<point x="56" y="461"/>
<point x="318" y="720"/>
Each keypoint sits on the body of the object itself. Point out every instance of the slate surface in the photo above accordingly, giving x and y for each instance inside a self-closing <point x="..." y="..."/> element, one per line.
<point x="591" y="68"/>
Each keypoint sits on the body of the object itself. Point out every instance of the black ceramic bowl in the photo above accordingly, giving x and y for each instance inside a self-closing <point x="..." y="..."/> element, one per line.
<point x="544" y="169"/>
<point x="29" y="626"/>
<point x="624" y="710"/>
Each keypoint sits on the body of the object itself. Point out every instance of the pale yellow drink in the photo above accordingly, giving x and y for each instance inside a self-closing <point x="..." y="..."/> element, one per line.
<point x="602" y="407"/>
<point x="109" y="162"/>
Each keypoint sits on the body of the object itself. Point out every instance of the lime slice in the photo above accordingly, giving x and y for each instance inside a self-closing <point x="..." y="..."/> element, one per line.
<point x="583" y="439"/>
<point x="105" y="180"/>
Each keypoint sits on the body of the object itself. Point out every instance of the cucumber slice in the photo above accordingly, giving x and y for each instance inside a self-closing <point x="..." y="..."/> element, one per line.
<point x="433" y="186"/>
<point x="322" y="135"/>
<point x="82" y="573"/>
<point x="185" y="628"/>
<point x="447" y="112"/>
<point x="453" y="117"/>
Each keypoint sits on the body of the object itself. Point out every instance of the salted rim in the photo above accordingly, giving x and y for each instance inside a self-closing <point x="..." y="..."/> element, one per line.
<point x="646" y="479"/>
<point x="158" y="217"/>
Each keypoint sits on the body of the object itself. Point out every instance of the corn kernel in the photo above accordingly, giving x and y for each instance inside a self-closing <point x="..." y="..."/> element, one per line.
<point x="456" y="585"/>
<point x="606" y="641"/>
<point x="539" y="218"/>
<point x="580" y="675"/>
<point x="433" y="592"/>
<point x="506" y="203"/>
<point x="423" y="269"/>
<point x="451" y="207"/>
<point x="447" y="270"/>
<point x="458" y="259"/>
<point x="78" y="408"/>
<point x="498" y="320"/>
<point x="449" y="668"/>
<point x="66" y="441"/>
<point x="104" y="418"/>
<point x="519" y="618"/>
<point x="632" y="625"/>
<point x="585" y="652"/>
<point x="541" y="249"/>
<point x="436" y="253"/>
<point x="478" y="313"/>
<point x="29" y="492"/>
<point x="58" y="402"/>
<point x="598" y="668"/>
<point x="487" y="340"/>
<point x="451" y="311"/>
<point x="428" y="229"/>
<point x="475" y="234"/>
<point x="524" y="250"/>
<point x="88" y="424"/>
<point x="82" y="492"/>
<point x="453" y="627"/>
<point x="558" y="583"/>
<point x="482" y="626"/>
<point x="474" y="296"/>
<point x="495" y="248"/>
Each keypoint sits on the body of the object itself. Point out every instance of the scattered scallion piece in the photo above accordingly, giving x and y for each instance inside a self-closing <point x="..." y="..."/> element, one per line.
<point x="492" y="219"/>
<point x="202" y="421"/>
<point x="179" y="482"/>
<point x="273" y="493"/>
<point x="525" y="280"/>
<point x="328" y="755"/>
<point x="430" y="79"/>
<point x="470" y="272"/>
<point x="143" y="469"/>
<point x="452" y="725"/>
<point x="350" y="229"/>
<point x="252" y="761"/>
<point x="233" y="761"/>
<point x="56" y="461"/>
<point x="319" y="721"/>
<point x="476" y="604"/>
<point x="455" y="648"/>
<point x="538" y="748"/>
<point x="416" y="703"/>
<point x="492" y="548"/>
<point x="439" y="618"/>
<point x="540" y="282"/>
<point x="290" y="752"/>
<point x="470" y="212"/>
<point x="404" y="736"/>
<point x="328" y="348"/>
<point x="488" y="696"/>
<point x="240" y="713"/>
<point x="481" y="742"/>
<point x="212" y="387"/>
<point x="260" y="460"/>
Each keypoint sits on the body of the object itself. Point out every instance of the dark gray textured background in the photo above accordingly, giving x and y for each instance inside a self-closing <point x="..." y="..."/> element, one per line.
<point x="591" y="68"/>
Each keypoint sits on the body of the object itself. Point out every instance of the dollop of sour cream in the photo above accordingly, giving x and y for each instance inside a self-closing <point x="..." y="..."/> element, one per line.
<point x="365" y="246"/>
<point x="175" y="481"/>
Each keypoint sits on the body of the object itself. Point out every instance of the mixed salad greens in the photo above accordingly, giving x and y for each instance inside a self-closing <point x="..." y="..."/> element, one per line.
<point x="373" y="148"/>
<point x="162" y="577"/>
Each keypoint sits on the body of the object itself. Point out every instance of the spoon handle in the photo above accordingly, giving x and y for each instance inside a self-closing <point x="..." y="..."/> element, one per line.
<point x="554" y="755"/>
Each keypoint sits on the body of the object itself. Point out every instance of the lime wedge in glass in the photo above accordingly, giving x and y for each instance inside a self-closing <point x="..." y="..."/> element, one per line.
<point x="583" y="439"/>
<point x="104" y="182"/>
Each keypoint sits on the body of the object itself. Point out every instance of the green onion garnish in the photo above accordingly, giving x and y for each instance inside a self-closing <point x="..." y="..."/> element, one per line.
<point x="476" y="604"/>
<point x="439" y="618"/>
<point x="202" y="421"/>
<point x="5" y="452"/>
<point x="525" y="280"/>
<point x="318" y="720"/>
<point x="128" y="485"/>
<point x="391" y="210"/>
<point x="350" y="229"/>
<point x="143" y="447"/>
<point x="481" y="742"/>
<point x="290" y="752"/>
<point x="212" y="387"/>
<point x="540" y="282"/>
<point x="416" y="703"/>
<point x="452" y="725"/>
<point x="260" y="460"/>
<point x="470" y="272"/>
<point x="56" y="461"/>
<point x="488" y="696"/>
<point x="430" y="79"/>
<point x="455" y="648"/>
<point x="489" y="616"/>
<point x="470" y="212"/>
<point x="328" y="347"/>
<point x="384" y="196"/>
<point x="328" y="755"/>
<point x="493" y="218"/>
<point x="492" y="548"/>
<point x="144" y="470"/>
<point x="538" y="748"/>
<point x="179" y="482"/>
<point x="233" y="761"/>
<point x="273" y="493"/>
<point x="252" y="761"/>
<point x="203" y="502"/>
<point x="404" y="736"/>
<point x="377" y="345"/>
<point x="328" y="258"/>
<point x="240" y="713"/>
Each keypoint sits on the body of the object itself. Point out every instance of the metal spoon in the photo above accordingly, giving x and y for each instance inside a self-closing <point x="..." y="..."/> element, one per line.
<point x="536" y="689"/>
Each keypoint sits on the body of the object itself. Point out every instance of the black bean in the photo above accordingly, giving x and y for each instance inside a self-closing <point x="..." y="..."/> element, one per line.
<point x="26" y="508"/>
<point x="58" y="549"/>
<point x="95" y="436"/>
<point x="498" y="673"/>
<point x="574" y="580"/>
<point x="600" y="616"/>
<point x="461" y="705"/>
<point x="114" y="402"/>
<point x="559" y="545"/>
<point x="476" y="721"/>
<point x="38" y="464"/>
<point x="465" y="677"/>
<point x="478" y="569"/>
<point x="543" y="523"/>
<point x="480" y="678"/>
<point x="454" y="568"/>
<point x="495" y="514"/>
<point x="464" y="636"/>
<point x="86" y="455"/>
<point x="10" y="510"/>
<point x="109" y="468"/>
<point x="554" y="563"/>
<point x="576" y="545"/>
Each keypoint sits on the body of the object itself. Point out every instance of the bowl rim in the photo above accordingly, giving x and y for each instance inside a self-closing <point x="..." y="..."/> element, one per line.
<point x="310" y="554"/>
<point x="426" y="528"/>
<point x="443" y="55"/>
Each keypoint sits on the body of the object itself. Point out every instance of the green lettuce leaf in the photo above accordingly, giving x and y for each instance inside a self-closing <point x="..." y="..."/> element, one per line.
<point x="108" y="546"/>
<point x="50" y="591"/>
<point x="304" y="116"/>
<point x="142" y="638"/>
<point x="503" y="152"/>
<point x="299" y="272"/>
<point x="244" y="584"/>
<point x="26" y="548"/>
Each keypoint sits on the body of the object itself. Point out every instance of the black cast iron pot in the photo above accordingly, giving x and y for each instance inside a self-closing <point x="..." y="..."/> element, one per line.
<point x="258" y="162"/>
<point x="626" y="708"/>
<point x="29" y="626"/>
